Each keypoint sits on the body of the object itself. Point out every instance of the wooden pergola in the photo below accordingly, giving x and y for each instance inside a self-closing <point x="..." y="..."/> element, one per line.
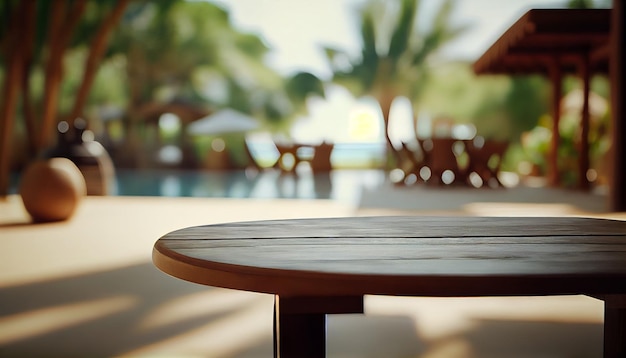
<point x="555" y="42"/>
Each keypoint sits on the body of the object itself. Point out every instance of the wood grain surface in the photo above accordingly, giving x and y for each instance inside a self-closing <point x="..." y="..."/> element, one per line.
<point x="402" y="255"/>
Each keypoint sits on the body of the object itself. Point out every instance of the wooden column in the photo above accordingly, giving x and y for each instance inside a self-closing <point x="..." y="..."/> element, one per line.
<point x="617" y="195"/>
<point x="583" y="146"/>
<point x="300" y="335"/>
<point x="300" y="323"/>
<point x="553" y="157"/>
<point x="615" y="326"/>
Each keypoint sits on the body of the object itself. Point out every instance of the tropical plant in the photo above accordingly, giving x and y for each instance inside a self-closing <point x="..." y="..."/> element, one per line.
<point x="34" y="38"/>
<point x="501" y="107"/>
<point x="396" y="52"/>
<point x="190" y="53"/>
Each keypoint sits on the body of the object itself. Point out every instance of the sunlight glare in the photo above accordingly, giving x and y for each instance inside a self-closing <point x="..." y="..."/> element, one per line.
<point x="363" y="124"/>
<point x="447" y="177"/>
<point x="25" y="325"/>
<point x="218" y="145"/>
<point x="169" y="122"/>
<point x="401" y="121"/>
<point x="171" y="186"/>
<point x="191" y="306"/>
<point x="237" y="325"/>
<point x="396" y="175"/>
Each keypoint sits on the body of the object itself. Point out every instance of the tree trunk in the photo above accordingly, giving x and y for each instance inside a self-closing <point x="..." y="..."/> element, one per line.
<point x="27" y="104"/>
<point x="95" y="54"/>
<point x="385" y="99"/>
<point x="62" y="25"/>
<point x="53" y="73"/>
<point x="12" y="84"/>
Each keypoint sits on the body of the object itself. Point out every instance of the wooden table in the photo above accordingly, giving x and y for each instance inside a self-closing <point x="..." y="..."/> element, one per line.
<point x="316" y="267"/>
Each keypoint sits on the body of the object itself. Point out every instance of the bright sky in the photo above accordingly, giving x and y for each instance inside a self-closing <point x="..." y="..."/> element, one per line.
<point x="297" y="31"/>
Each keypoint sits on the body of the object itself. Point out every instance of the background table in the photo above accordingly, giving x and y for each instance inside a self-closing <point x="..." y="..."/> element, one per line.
<point x="316" y="267"/>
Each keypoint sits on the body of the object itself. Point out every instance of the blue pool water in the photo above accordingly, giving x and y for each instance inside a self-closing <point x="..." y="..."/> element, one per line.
<point x="344" y="154"/>
<point x="344" y="185"/>
<point x="340" y="184"/>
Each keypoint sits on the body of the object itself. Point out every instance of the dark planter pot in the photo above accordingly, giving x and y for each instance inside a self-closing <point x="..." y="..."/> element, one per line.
<point x="90" y="157"/>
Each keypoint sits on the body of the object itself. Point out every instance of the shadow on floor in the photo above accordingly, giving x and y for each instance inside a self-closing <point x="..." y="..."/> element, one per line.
<point x="114" y="312"/>
<point x="104" y="313"/>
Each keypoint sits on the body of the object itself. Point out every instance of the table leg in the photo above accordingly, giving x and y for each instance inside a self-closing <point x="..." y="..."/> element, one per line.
<point x="615" y="326"/>
<point x="300" y="323"/>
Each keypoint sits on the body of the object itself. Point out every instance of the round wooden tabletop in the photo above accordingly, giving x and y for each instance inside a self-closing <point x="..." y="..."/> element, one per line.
<point x="407" y="255"/>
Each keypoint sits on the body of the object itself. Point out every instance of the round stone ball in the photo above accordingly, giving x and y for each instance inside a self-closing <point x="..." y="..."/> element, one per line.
<point x="51" y="189"/>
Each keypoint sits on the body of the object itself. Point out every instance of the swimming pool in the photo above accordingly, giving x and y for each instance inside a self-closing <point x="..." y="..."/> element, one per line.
<point x="341" y="184"/>
<point x="345" y="185"/>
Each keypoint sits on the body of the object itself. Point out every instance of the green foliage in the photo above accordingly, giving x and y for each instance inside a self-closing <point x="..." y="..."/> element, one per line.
<point x="302" y="85"/>
<point x="110" y="85"/>
<point x="168" y="42"/>
<point x="500" y="107"/>
<point x="189" y="52"/>
<point x="91" y="19"/>
<point x="395" y="52"/>
<point x="527" y="100"/>
<point x="536" y="144"/>
<point x="588" y="4"/>
<point x="400" y="39"/>
<point x="94" y="13"/>
<point x="191" y="49"/>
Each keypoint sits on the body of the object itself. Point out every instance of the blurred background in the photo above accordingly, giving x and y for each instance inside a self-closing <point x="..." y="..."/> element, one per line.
<point x="180" y="92"/>
<point x="295" y="99"/>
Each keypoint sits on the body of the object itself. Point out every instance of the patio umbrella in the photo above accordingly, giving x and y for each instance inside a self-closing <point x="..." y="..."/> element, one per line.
<point x="222" y="122"/>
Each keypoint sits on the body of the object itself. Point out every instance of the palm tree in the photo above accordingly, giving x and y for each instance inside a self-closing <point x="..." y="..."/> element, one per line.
<point x="190" y="52"/>
<point x="35" y="37"/>
<point x="394" y="59"/>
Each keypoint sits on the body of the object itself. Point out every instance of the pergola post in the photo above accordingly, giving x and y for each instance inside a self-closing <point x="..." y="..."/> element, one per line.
<point x="617" y="194"/>
<point x="551" y="41"/>
<point x="553" y="157"/>
<point x="583" y="145"/>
